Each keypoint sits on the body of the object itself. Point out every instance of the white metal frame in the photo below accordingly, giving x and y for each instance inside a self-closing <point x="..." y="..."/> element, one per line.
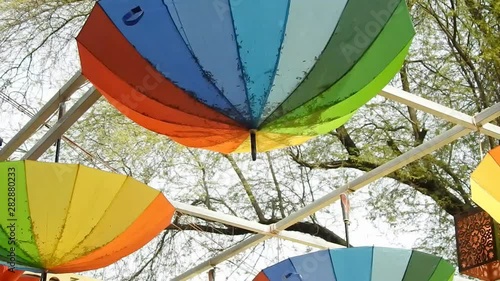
<point x="465" y="124"/>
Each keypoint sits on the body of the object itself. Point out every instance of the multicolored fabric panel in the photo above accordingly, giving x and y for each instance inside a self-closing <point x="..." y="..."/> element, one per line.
<point x="20" y="275"/>
<point x="360" y="264"/>
<point x="71" y="218"/>
<point x="485" y="185"/>
<point x="205" y="73"/>
<point x="13" y="275"/>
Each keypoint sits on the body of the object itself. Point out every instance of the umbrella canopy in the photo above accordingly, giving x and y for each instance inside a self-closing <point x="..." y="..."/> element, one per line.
<point x="70" y="218"/>
<point x="360" y="264"/>
<point x="485" y="183"/>
<point x="14" y="275"/>
<point x="228" y="75"/>
<point x="19" y="275"/>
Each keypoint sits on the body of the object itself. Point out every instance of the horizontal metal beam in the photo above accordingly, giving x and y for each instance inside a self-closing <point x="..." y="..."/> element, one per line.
<point x="446" y="113"/>
<point x="62" y="125"/>
<point x="252" y="226"/>
<point x="41" y="117"/>
<point x="220" y="217"/>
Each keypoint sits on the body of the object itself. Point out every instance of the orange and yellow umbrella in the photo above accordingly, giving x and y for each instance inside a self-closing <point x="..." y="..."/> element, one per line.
<point x="485" y="184"/>
<point x="63" y="218"/>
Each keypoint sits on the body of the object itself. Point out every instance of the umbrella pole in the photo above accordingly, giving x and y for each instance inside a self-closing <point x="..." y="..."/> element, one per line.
<point x="211" y="275"/>
<point x="43" y="276"/>
<point x="346" y="223"/>
<point x="62" y="109"/>
<point x="344" y="202"/>
<point x="253" y="143"/>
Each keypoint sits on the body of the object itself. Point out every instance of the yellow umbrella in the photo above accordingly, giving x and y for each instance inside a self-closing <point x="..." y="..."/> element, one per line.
<point x="62" y="218"/>
<point x="485" y="183"/>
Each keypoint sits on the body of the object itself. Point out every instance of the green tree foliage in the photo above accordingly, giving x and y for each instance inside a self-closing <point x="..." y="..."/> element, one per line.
<point x="454" y="60"/>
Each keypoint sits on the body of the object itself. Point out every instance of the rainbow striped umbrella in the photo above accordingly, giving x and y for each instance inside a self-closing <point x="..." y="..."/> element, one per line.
<point x="63" y="218"/>
<point x="238" y="76"/>
<point x="360" y="264"/>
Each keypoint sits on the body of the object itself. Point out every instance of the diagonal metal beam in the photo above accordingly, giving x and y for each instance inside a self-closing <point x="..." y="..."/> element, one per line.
<point x="41" y="117"/>
<point x="222" y="257"/>
<point x="62" y="125"/>
<point x="375" y="174"/>
<point x="414" y="154"/>
<point x="383" y="170"/>
<point x="446" y="113"/>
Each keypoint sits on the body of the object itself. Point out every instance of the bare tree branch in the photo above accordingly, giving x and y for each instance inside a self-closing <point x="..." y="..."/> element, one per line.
<point x="276" y="185"/>
<point x="246" y="186"/>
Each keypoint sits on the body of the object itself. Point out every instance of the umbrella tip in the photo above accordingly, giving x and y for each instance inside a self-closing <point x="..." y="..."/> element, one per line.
<point x="253" y="143"/>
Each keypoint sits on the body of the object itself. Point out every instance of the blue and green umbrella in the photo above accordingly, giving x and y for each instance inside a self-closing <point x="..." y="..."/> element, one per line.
<point x="238" y="76"/>
<point x="360" y="264"/>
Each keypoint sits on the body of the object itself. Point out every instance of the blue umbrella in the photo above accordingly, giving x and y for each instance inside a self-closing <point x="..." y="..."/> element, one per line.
<point x="360" y="264"/>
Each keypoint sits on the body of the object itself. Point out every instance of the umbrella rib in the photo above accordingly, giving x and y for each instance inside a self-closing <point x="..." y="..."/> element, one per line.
<point x="185" y="37"/>
<point x="155" y="100"/>
<point x="372" y="262"/>
<point x="97" y="223"/>
<point x="408" y="264"/>
<point x="18" y="246"/>
<point x="240" y="63"/>
<point x="311" y="70"/>
<point x="333" y="118"/>
<point x="324" y="107"/>
<point x="294" y="268"/>
<point x="67" y="213"/>
<point x="268" y="120"/>
<point x="435" y="268"/>
<point x="268" y="91"/>
<point x="333" y="266"/>
<point x="201" y="69"/>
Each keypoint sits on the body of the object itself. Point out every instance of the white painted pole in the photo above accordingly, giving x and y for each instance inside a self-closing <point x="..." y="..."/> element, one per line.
<point x="75" y="112"/>
<point x="444" y="112"/>
<point x="45" y="112"/>
<point x="256" y="227"/>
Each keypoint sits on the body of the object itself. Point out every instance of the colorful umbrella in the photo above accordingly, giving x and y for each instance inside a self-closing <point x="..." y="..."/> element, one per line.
<point x="12" y="275"/>
<point x="360" y="264"/>
<point x="485" y="184"/>
<point x="19" y="275"/>
<point x="69" y="218"/>
<point x="235" y="76"/>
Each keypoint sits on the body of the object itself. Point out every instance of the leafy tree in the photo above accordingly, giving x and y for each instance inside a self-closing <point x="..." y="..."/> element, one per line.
<point x="455" y="60"/>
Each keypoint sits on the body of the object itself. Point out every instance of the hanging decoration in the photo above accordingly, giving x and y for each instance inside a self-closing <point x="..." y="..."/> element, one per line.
<point x="478" y="240"/>
<point x="61" y="218"/>
<point x="360" y="264"/>
<point x="239" y="76"/>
